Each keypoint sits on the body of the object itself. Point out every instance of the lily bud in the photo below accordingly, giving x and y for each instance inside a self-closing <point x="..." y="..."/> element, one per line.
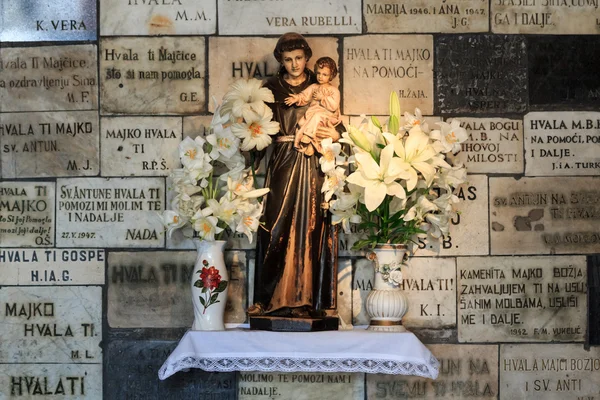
<point x="359" y="139"/>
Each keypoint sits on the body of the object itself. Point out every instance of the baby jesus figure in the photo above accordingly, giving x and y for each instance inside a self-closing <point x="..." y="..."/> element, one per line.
<point x="324" y="107"/>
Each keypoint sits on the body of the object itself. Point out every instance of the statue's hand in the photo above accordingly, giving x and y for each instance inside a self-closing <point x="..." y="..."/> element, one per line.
<point x="290" y="100"/>
<point x="328" y="131"/>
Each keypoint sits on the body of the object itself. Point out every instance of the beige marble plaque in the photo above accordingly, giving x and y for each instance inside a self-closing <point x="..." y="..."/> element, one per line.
<point x="164" y="17"/>
<point x="152" y="75"/>
<point x="562" y="143"/>
<point x="276" y="17"/>
<point x="52" y="267"/>
<point x="51" y="324"/>
<point x="49" y="144"/>
<point x="27" y="214"/>
<point x="466" y="372"/>
<point x="430" y="285"/>
<point x="374" y="65"/>
<point x="143" y="146"/>
<point x="495" y="145"/>
<point x="48" y="78"/>
<point x="549" y="372"/>
<point x="300" y="386"/>
<point x="231" y="59"/>
<point x="519" y="299"/>
<point x="545" y="17"/>
<point x="51" y="381"/>
<point x="423" y="16"/>
<point x="97" y="212"/>
<point x="344" y="293"/>
<point x="544" y="215"/>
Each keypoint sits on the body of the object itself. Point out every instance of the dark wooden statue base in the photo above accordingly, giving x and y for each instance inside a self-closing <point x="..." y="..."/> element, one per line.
<point x="288" y="324"/>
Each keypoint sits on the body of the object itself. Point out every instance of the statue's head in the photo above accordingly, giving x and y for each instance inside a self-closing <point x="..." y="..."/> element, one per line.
<point x="289" y="42"/>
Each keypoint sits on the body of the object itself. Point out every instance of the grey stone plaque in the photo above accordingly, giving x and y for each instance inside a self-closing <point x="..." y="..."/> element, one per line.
<point x="153" y="17"/>
<point x="51" y="381"/>
<point x="48" y="78"/>
<point x="544" y="215"/>
<point x="27" y="214"/>
<point x="152" y="75"/>
<point x="562" y="143"/>
<point x="49" y="144"/>
<point x="426" y="16"/>
<point x="146" y="146"/>
<point x="135" y="279"/>
<point x="51" y="324"/>
<point x="495" y="145"/>
<point x="519" y="299"/>
<point x="44" y="20"/>
<point x="132" y="368"/>
<point x="549" y="372"/>
<point x="276" y="17"/>
<point x="466" y="372"/>
<point x="96" y="212"/>
<point x="52" y="267"/>
<point x="300" y="386"/>
<point x="546" y="17"/>
<point x="376" y="65"/>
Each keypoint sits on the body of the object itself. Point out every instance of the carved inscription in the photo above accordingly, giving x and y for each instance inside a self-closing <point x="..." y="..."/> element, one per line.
<point x="52" y="267"/>
<point x="562" y="143"/>
<point x="26" y="214"/>
<point x="48" y="78"/>
<point x="544" y="215"/>
<point x="466" y="372"/>
<point x="549" y="372"/>
<point x="425" y="16"/>
<point x="502" y="299"/>
<point x="400" y="63"/>
<point x="51" y="324"/>
<point x="152" y="75"/>
<point x="110" y="212"/>
<point x="49" y="144"/>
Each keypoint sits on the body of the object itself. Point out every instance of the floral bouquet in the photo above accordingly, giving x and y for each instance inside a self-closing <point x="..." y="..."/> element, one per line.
<point x="204" y="203"/>
<point x="401" y="185"/>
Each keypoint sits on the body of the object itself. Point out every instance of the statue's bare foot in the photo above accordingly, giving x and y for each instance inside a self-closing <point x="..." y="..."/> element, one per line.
<point x="256" y="309"/>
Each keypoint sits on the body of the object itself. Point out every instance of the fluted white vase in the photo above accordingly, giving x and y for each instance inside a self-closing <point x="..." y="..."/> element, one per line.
<point x="386" y="304"/>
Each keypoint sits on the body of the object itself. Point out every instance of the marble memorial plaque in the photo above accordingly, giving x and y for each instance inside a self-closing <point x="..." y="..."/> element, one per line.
<point x="48" y="78"/>
<point x="231" y="59"/>
<point x="51" y="324"/>
<point x="481" y="74"/>
<point x="562" y="143"/>
<point x="277" y="17"/>
<point x="426" y="16"/>
<point x="548" y="17"/>
<point x="344" y="293"/>
<point x="52" y="267"/>
<point x="375" y="65"/>
<point x="47" y="20"/>
<point x="165" y="17"/>
<point x="549" y="372"/>
<point x="563" y="70"/>
<point x="544" y="215"/>
<point x="98" y="212"/>
<point x="152" y="75"/>
<point x="300" y="386"/>
<point x="132" y="367"/>
<point x="466" y="372"/>
<point x="27" y="214"/>
<point x="49" y="144"/>
<point x="51" y="381"/>
<point x="519" y="299"/>
<point x="495" y="145"/>
<point x="430" y="284"/>
<point x="146" y="146"/>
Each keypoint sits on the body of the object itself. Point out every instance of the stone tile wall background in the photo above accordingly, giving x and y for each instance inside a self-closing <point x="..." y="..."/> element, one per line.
<point x="96" y="95"/>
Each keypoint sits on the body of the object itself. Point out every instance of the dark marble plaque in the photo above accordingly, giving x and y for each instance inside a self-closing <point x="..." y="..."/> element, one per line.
<point x="564" y="70"/>
<point x="593" y="263"/>
<point x="484" y="74"/>
<point x="131" y="371"/>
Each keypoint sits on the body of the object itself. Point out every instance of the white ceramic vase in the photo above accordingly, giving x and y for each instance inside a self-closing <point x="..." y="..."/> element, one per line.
<point x="210" y="284"/>
<point x="386" y="304"/>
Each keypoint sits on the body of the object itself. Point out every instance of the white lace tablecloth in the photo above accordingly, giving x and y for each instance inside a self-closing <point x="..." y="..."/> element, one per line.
<point x="333" y="351"/>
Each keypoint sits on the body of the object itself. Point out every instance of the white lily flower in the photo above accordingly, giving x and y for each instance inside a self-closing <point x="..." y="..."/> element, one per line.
<point x="191" y="151"/>
<point x="223" y="142"/>
<point x="249" y="222"/>
<point x="449" y="178"/>
<point x="205" y="224"/>
<point x="420" y="209"/>
<point x="172" y="220"/>
<point x="413" y="120"/>
<point x="450" y="136"/>
<point x="224" y="210"/>
<point x="331" y="151"/>
<point x="334" y="182"/>
<point x="256" y="130"/>
<point x="246" y="97"/>
<point x="439" y="225"/>
<point x="345" y="217"/>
